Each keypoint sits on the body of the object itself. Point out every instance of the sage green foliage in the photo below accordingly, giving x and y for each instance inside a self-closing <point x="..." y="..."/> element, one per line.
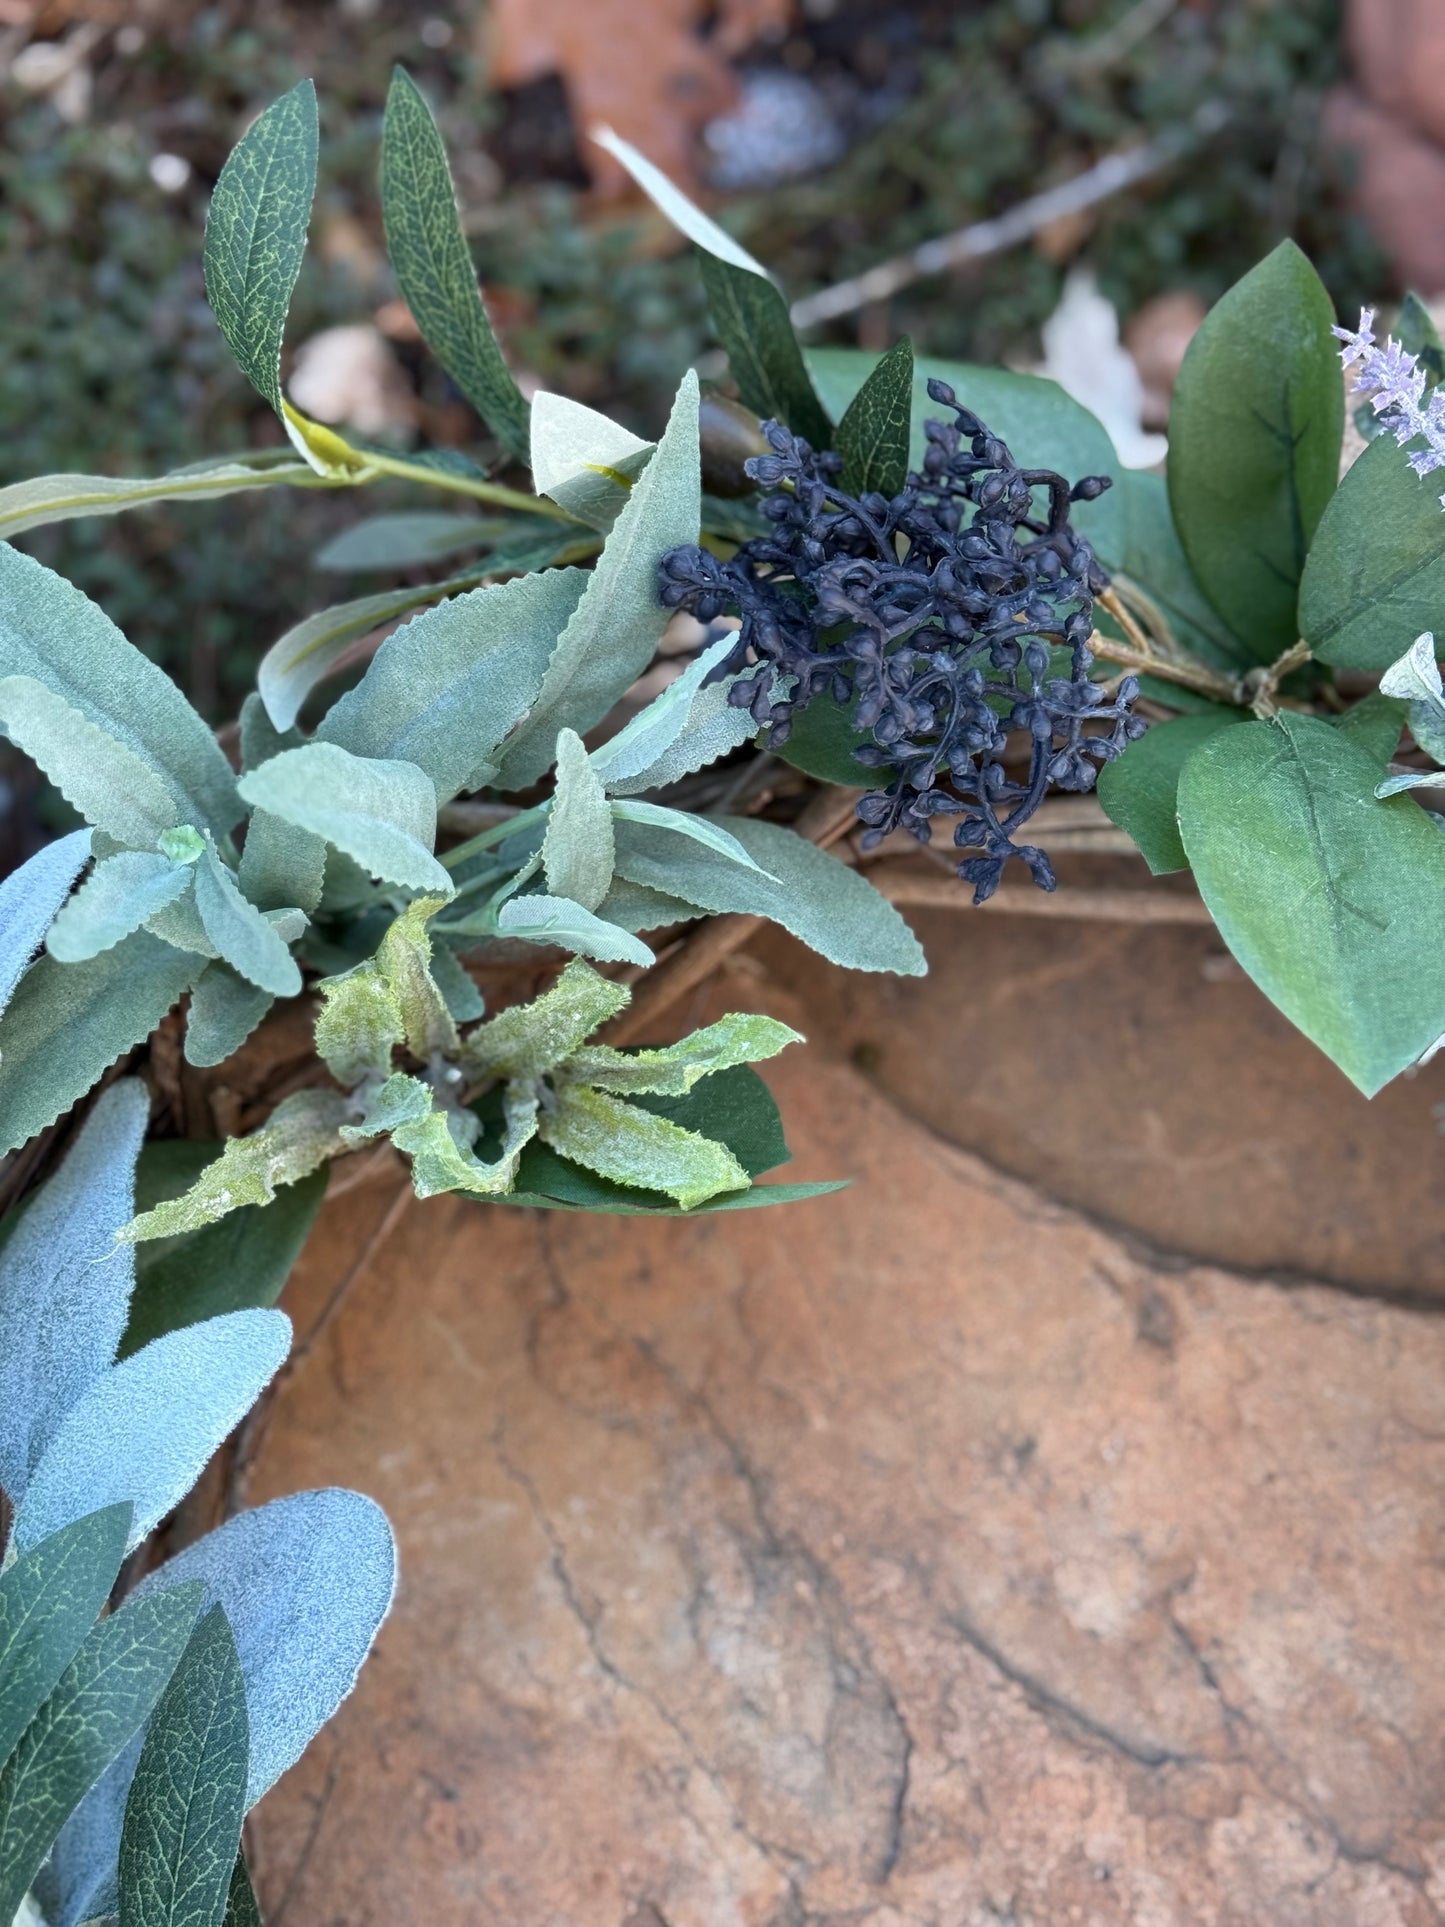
<point x="578" y="850"/>
<point x="747" y="307"/>
<point x="120" y="894"/>
<point x="256" y="234"/>
<point x="1140" y="792"/>
<point x="873" y="434"/>
<point x="50" y="1597"/>
<point x="103" y="1697"/>
<point x="62" y="498"/>
<point x="585" y="462"/>
<point x="378" y="811"/>
<point x="434" y="267"/>
<point x="1254" y="445"/>
<point x="1332" y="900"/>
<point x="182" y="1830"/>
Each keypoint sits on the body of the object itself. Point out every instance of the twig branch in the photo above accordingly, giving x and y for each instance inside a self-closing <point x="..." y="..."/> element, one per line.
<point x="902" y="883"/>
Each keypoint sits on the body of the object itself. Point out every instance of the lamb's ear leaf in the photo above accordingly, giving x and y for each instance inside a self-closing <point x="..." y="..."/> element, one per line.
<point x="103" y="1697"/>
<point x="306" y="1582"/>
<point x="634" y="1147"/>
<point x="300" y="1135"/>
<point x="64" y="1283"/>
<point x="60" y="498"/>
<point x="1140" y="791"/>
<point x="613" y="633"/>
<point x="443" y="690"/>
<point x="120" y="894"/>
<point x="50" y="1597"/>
<point x="750" y="312"/>
<point x="567" y="925"/>
<point x="256" y="234"/>
<point x="1254" y="445"/>
<point x="381" y="813"/>
<point x="182" y="1829"/>
<point x="113" y="789"/>
<point x="51" y="632"/>
<point x="1333" y="901"/>
<point x="225" y="1010"/>
<point x="528" y="1040"/>
<point x="442" y="1159"/>
<point x="245" y="939"/>
<point x="240" y="1263"/>
<point x="698" y="829"/>
<point x="586" y="462"/>
<point x="826" y="905"/>
<point x="673" y="1070"/>
<point x="577" y="848"/>
<point x="625" y="760"/>
<point x="874" y="433"/>
<point x="30" y="899"/>
<point x="68" y="1023"/>
<point x="146" y="1429"/>
<point x="433" y="265"/>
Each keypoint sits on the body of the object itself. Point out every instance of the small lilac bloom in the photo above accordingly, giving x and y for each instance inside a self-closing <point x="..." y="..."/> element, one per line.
<point x="1394" y="385"/>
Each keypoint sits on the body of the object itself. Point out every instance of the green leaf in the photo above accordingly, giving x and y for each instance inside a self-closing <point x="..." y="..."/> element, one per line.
<point x="1418" y="335"/>
<point x="49" y="1599"/>
<point x="584" y="461"/>
<point x="281" y="865"/>
<point x="1332" y="901"/>
<point x="613" y="633"/>
<point x="828" y="906"/>
<point x="750" y="312"/>
<point x="443" y="690"/>
<point x="183" y="1814"/>
<point x="461" y="996"/>
<point x="1416" y="678"/>
<point x="441" y="1157"/>
<point x="404" y="960"/>
<point x="1254" y="445"/>
<point x="53" y="633"/>
<point x="103" y="1697"/>
<point x="577" y="847"/>
<point x="239" y="931"/>
<point x="673" y="1070"/>
<point x="113" y="789"/>
<point x="698" y="829"/>
<point x="529" y="1040"/>
<point x="635" y="1147"/>
<point x="874" y="432"/>
<point x="117" y="897"/>
<point x="625" y="760"/>
<point x="31" y="898"/>
<point x="68" y="1023"/>
<point x="560" y="922"/>
<point x="360" y="1024"/>
<point x="1374" y="725"/>
<point x="404" y="541"/>
<point x="380" y="813"/>
<point x="241" y="1908"/>
<point x="179" y="923"/>
<point x="61" y="498"/>
<point x="1140" y="792"/>
<point x="302" y="1133"/>
<point x="239" y="1263"/>
<point x="433" y="266"/>
<point x="256" y="234"/>
<point x="1154" y="559"/>
<point x="225" y="1010"/>
<point x="1044" y="427"/>
<point x="823" y="742"/>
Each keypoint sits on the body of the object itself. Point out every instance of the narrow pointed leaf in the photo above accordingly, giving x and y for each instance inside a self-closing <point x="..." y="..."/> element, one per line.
<point x="379" y="812"/>
<point x="673" y="1070"/>
<point x="225" y="1010"/>
<point x="183" y="1815"/>
<point x="30" y="898"/>
<point x="403" y="541"/>
<point x="113" y="789"/>
<point x="698" y="829"/>
<point x="62" y="498"/>
<point x="256" y="234"/>
<point x="103" y="1697"/>
<point x="874" y="433"/>
<point x="117" y="897"/>
<point x="568" y="926"/>
<point x="626" y="758"/>
<point x="244" y="938"/>
<point x="433" y="266"/>
<point x="577" y="849"/>
<point x="49" y="1600"/>
<point x="241" y="1908"/>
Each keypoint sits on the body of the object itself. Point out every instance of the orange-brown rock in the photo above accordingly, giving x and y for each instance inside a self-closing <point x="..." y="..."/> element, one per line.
<point x="918" y="1557"/>
<point x="1399" y="184"/>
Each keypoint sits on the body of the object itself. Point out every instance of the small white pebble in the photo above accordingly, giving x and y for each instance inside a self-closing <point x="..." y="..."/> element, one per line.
<point x="170" y="172"/>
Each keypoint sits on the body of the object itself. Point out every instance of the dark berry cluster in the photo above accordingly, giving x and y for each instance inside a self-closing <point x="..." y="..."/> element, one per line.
<point x="931" y="614"/>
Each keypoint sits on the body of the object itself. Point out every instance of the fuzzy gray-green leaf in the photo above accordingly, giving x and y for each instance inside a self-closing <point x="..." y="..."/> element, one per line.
<point x="117" y="897"/>
<point x="379" y="812"/>
<point x="634" y="1147"/>
<point x="225" y="1009"/>
<point x="113" y="789"/>
<point x="244" y="938"/>
<point x="577" y="849"/>
<point x="256" y="234"/>
<point x="585" y="461"/>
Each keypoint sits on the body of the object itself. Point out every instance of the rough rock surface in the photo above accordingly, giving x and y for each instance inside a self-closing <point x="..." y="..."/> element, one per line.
<point x="919" y="1558"/>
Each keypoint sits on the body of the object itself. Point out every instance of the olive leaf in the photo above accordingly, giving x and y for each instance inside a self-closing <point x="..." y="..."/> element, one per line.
<point x="61" y="498"/>
<point x="873" y="434"/>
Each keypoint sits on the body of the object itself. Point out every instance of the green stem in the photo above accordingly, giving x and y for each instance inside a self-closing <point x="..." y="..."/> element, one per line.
<point x="498" y="833"/>
<point x="481" y="491"/>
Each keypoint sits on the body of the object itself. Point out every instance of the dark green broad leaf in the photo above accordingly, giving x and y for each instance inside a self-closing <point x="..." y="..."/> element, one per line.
<point x="1374" y="726"/>
<point x="241" y="1908"/>
<point x="103" y="1697"/>
<point x="873" y="434"/>
<point x="1254" y="445"/>
<point x="1155" y="561"/>
<point x="49" y="1600"/>
<point x="433" y="264"/>
<point x="68" y="1023"/>
<point x="747" y="307"/>
<point x="734" y="1107"/>
<point x="1376" y="571"/>
<point x="1043" y="427"/>
<point x="1331" y="899"/>
<point x="256" y="234"/>
<point x="239" y="1263"/>
<point x="182" y="1831"/>
<point x="823" y="742"/>
<point x="1140" y="792"/>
